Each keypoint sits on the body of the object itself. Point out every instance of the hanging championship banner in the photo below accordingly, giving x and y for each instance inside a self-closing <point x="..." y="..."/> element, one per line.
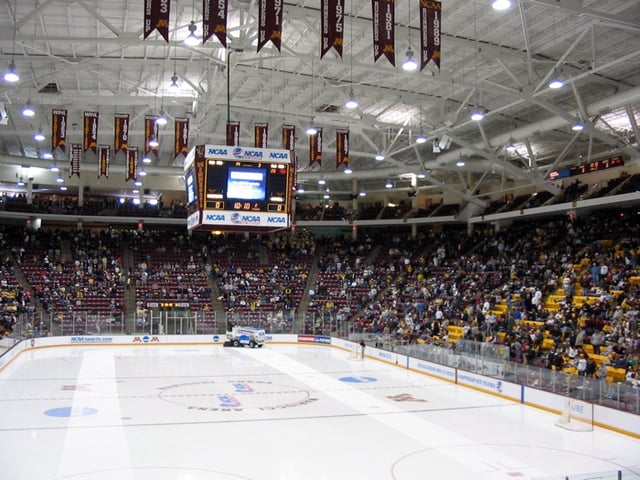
<point x="150" y="131"/>
<point x="58" y="129"/>
<point x="104" y="160"/>
<point x="332" y="12"/>
<point x="260" y="131"/>
<point x="181" y="135"/>
<point x="289" y="137"/>
<point x="75" y="155"/>
<point x="90" y="131"/>
<point x="342" y="147"/>
<point x="384" y="30"/>
<point x="315" y="148"/>
<point x="121" y="128"/>
<point x="430" y="28"/>
<point x="132" y="164"/>
<point x="214" y="20"/>
<point x="156" y="17"/>
<point x="270" y="23"/>
<point x="233" y="134"/>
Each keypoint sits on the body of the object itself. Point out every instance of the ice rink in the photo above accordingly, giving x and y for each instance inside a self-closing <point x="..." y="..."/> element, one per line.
<point x="284" y="412"/>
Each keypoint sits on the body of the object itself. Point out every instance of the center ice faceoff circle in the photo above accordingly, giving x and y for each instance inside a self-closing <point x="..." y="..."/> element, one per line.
<point x="235" y="395"/>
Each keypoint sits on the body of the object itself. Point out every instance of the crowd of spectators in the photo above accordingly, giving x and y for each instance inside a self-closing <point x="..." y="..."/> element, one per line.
<point x="560" y="292"/>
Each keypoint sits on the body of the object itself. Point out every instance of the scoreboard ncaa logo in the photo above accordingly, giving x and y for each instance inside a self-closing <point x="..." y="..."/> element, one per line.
<point x="235" y="217"/>
<point x="237" y="152"/>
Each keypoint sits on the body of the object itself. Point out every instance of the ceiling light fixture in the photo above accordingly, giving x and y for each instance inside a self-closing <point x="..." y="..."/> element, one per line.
<point x="146" y="159"/>
<point x="500" y="4"/>
<point x="161" y="119"/>
<point x="556" y="81"/>
<point x="174" y="87"/>
<point x="388" y="184"/>
<point x="311" y="128"/>
<point x="478" y="113"/>
<point x="409" y="64"/>
<point x="153" y="142"/>
<point x="192" y="39"/>
<point x="379" y="156"/>
<point x="460" y="162"/>
<point x="38" y="136"/>
<point x="421" y="138"/>
<point x="20" y="182"/>
<point x="28" y="110"/>
<point x="60" y="179"/>
<point x="577" y="126"/>
<point x="511" y="147"/>
<point x="47" y="155"/>
<point x="11" y="75"/>
<point x="54" y="168"/>
<point x="321" y="181"/>
<point x="348" y="170"/>
<point x="351" y="102"/>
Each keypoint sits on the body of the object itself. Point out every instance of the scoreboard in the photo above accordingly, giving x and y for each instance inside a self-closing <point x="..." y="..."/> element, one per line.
<point x="588" y="167"/>
<point x="238" y="188"/>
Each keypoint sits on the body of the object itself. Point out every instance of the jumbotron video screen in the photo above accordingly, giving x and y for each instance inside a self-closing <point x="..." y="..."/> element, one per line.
<point x="238" y="188"/>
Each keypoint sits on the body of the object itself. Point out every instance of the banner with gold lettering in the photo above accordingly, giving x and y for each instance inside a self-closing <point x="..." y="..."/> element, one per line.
<point x="214" y="20"/>
<point x="342" y="147"/>
<point x="260" y="135"/>
<point x="58" y="129"/>
<point x="104" y="160"/>
<point x="75" y="156"/>
<point x="383" y="12"/>
<point x="90" y="131"/>
<point x="315" y="148"/>
<point x="430" y="28"/>
<point x="150" y="132"/>
<point x="270" y="23"/>
<point x="332" y="12"/>
<point x="181" y="136"/>
<point x="132" y="163"/>
<point x="121" y="129"/>
<point x="156" y="17"/>
<point x="289" y="137"/>
<point x="233" y="134"/>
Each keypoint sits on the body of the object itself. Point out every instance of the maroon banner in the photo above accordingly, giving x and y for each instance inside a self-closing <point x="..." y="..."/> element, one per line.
<point x="90" y="131"/>
<point x="260" y="134"/>
<point x="332" y="12"/>
<point x="104" y="160"/>
<point x="156" y="17"/>
<point x="132" y="164"/>
<point x="121" y="129"/>
<point x="58" y="129"/>
<point x="342" y="147"/>
<point x="383" y="12"/>
<point x="181" y="136"/>
<point x="214" y="20"/>
<point x="289" y="137"/>
<point x="430" y="28"/>
<point x="233" y="134"/>
<point x="315" y="148"/>
<point x="75" y="155"/>
<point x="270" y="23"/>
<point x="150" y="131"/>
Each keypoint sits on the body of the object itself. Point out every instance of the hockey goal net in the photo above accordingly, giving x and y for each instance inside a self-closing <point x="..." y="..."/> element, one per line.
<point x="576" y="415"/>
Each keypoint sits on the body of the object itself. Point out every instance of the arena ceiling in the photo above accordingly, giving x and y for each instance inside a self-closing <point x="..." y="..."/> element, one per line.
<point x="89" y="55"/>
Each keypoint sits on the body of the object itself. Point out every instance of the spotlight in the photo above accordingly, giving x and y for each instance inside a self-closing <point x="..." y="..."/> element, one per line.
<point x="348" y="170"/>
<point x="421" y="138"/>
<point x="351" y="102"/>
<point x="379" y="156"/>
<point x="578" y="126"/>
<point x="388" y="184"/>
<point x="38" y="136"/>
<point x="311" y="129"/>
